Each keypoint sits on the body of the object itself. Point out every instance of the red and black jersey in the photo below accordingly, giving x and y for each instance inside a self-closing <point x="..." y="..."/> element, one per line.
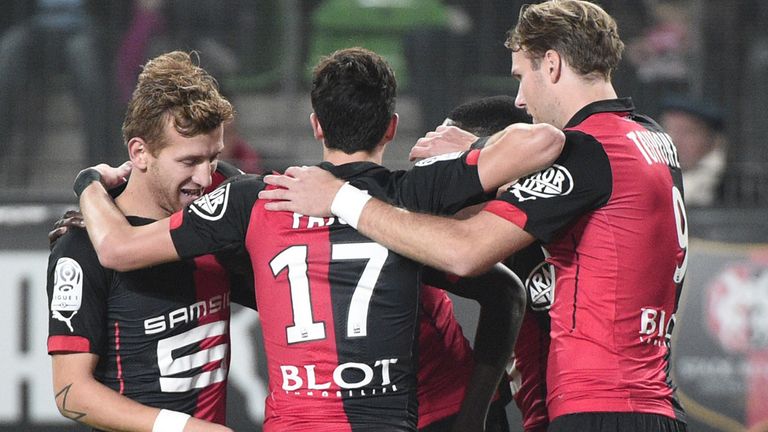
<point x="338" y="311"/>
<point x="610" y="212"/>
<point x="445" y="358"/>
<point x="161" y="334"/>
<point x="528" y="380"/>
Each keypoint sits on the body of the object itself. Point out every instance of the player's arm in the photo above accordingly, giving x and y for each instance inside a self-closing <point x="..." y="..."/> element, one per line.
<point x="462" y="247"/>
<point x="501" y="296"/>
<point x="119" y="245"/>
<point x="514" y="152"/>
<point x="517" y="151"/>
<point x="81" y="398"/>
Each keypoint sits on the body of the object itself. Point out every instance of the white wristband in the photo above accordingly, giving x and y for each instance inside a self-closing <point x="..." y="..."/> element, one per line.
<point x="348" y="204"/>
<point x="170" y="421"/>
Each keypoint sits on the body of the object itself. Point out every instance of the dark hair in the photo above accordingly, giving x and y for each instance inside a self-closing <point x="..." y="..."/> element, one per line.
<point x="580" y="31"/>
<point x="353" y="96"/>
<point x="486" y="116"/>
<point x="173" y="85"/>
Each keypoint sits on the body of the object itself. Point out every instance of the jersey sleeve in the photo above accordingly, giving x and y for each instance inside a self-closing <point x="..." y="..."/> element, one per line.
<point x="442" y="184"/>
<point x="216" y="222"/>
<point x="78" y="288"/>
<point x="543" y="203"/>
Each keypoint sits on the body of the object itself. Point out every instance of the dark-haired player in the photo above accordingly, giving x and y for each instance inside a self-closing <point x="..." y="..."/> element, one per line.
<point x="338" y="311"/>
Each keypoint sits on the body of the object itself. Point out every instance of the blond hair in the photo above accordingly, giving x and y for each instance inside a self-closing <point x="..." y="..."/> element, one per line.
<point x="582" y="33"/>
<point x="172" y="85"/>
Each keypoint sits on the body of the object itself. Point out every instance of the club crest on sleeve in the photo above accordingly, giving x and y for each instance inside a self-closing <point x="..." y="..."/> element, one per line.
<point x="213" y="205"/>
<point x="553" y="181"/>
<point x="540" y="285"/>
<point x="438" y="158"/>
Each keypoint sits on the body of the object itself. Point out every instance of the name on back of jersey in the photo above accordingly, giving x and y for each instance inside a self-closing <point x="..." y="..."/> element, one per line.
<point x="308" y="222"/>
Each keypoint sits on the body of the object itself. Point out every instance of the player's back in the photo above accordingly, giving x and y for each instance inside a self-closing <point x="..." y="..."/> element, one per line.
<point x="339" y="320"/>
<point x="338" y="311"/>
<point x="620" y="268"/>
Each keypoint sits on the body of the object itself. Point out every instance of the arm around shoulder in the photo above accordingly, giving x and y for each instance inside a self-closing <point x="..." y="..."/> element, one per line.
<point x="517" y="151"/>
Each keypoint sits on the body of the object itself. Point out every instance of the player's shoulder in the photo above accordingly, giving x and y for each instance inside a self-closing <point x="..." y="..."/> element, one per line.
<point x="75" y="247"/>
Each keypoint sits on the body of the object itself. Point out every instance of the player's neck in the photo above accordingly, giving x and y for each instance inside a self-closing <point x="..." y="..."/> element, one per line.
<point x="135" y="201"/>
<point x="338" y="157"/>
<point x="582" y="95"/>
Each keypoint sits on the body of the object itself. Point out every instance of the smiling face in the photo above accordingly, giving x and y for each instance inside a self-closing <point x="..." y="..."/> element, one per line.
<point x="182" y="169"/>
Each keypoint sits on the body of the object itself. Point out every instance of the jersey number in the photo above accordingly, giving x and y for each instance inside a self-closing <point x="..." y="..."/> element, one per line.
<point x="681" y="222"/>
<point x="170" y="365"/>
<point x="304" y="327"/>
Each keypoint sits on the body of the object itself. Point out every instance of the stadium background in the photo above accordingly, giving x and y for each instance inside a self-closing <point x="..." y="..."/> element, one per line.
<point x="444" y="53"/>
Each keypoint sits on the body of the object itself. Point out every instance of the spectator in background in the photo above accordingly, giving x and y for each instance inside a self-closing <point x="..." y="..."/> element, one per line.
<point x="58" y="35"/>
<point x="696" y="128"/>
<point x="661" y="55"/>
<point x="149" y="31"/>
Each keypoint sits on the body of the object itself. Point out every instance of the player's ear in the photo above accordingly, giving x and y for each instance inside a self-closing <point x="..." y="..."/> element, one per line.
<point x="317" y="130"/>
<point x="389" y="135"/>
<point x="553" y="64"/>
<point x="138" y="152"/>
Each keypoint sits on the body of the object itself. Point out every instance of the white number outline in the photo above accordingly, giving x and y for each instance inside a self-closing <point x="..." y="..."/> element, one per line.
<point x="304" y="328"/>
<point x="168" y="365"/>
<point x="681" y="224"/>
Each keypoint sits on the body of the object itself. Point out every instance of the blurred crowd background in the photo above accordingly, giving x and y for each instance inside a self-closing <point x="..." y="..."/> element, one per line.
<point x="67" y="68"/>
<point x="699" y="67"/>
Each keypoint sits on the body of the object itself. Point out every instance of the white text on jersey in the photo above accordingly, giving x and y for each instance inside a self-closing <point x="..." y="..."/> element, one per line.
<point x="656" y="147"/>
<point x="306" y="222"/>
<point x="302" y="379"/>
<point x="186" y="314"/>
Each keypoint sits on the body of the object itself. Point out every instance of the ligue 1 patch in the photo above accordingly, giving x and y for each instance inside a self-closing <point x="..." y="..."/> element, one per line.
<point x="213" y="205"/>
<point x="540" y="285"/>
<point x="553" y="181"/>
<point x="438" y="158"/>
<point x="67" y="290"/>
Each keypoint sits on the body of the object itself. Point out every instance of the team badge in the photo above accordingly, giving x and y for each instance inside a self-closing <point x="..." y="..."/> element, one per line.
<point x="438" y="158"/>
<point x="213" y="205"/>
<point x="67" y="290"/>
<point x="553" y="181"/>
<point x="540" y="285"/>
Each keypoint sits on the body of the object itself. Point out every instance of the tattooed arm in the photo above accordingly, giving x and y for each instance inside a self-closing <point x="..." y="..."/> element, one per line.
<point x="81" y="398"/>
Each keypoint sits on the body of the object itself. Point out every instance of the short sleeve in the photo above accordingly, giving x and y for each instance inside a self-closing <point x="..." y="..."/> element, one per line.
<point x="78" y="288"/>
<point x="216" y="222"/>
<point x="442" y="184"/>
<point x="578" y="182"/>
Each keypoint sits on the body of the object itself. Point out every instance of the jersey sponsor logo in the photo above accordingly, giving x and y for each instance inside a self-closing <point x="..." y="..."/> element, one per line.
<point x="655" y="328"/>
<point x="67" y="290"/>
<point x="553" y="181"/>
<point x="368" y="380"/>
<point x="541" y="286"/>
<point x="438" y="158"/>
<point x="186" y="314"/>
<point x="213" y="205"/>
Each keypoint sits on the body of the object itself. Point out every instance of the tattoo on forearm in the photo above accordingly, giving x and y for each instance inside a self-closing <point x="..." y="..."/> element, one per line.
<point x="73" y="415"/>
